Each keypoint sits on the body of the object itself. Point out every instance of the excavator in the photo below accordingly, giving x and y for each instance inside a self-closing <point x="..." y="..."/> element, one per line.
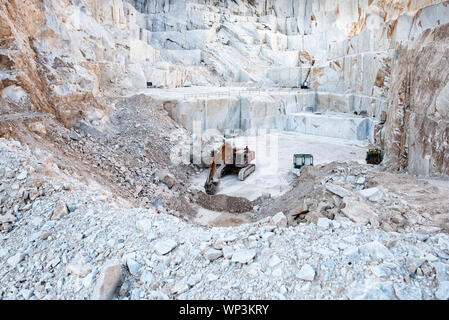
<point x="305" y="84"/>
<point x="229" y="159"/>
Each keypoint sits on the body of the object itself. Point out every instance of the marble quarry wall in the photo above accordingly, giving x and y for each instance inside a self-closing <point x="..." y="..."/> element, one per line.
<point x="64" y="56"/>
<point x="297" y="112"/>
<point x="417" y="133"/>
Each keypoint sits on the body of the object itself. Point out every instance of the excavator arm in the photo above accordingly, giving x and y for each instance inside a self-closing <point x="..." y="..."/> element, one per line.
<point x="210" y="186"/>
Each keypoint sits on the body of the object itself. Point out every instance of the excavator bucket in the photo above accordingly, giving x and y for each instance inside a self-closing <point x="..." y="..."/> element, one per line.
<point x="211" y="188"/>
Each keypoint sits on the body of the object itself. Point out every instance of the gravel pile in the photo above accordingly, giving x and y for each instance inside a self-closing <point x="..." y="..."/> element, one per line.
<point x="84" y="244"/>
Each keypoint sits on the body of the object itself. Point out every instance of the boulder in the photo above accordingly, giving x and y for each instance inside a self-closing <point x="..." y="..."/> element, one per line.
<point x="376" y="250"/>
<point x="16" y="259"/>
<point x="274" y="261"/>
<point x="302" y="208"/>
<point x="407" y="292"/>
<point x="370" y="290"/>
<point x="243" y="255"/>
<point x="59" y="211"/>
<point x="373" y="194"/>
<point x="212" y="254"/>
<point x="443" y="291"/>
<point x="358" y="210"/>
<point x="179" y="288"/>
<point x="306" y="273"/>
<point x="165" y="246"/>
<point x="108" y="281"/>
<point x="133" y="266"/>
<point x="166" y="177"/>
<point x="279" y="220"/>
<point x="339" y="191"/>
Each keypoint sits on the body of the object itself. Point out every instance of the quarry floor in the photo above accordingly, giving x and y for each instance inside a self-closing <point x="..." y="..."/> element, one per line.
<point x="274" y="164"/>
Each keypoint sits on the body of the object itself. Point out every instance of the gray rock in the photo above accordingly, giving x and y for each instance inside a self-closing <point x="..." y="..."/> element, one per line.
<point x="166" y="177"/>
<point x="413" y="263"/>
<point x="360" y="180"/>
<point x="212" y="254"/>
<point x="147" y="277"/>
<point x="306" y="273"/>
<point x="211" y="277"/>
<point x="179" y="288"/>
<point x="243" y="255"/>
<point x="133" y="266"/>
<point x="350" y="178"/>
<point x="227" y="252"/>
<point x="442" y="271"/>
<point x="59" y="211"/>
<point x="274" y="261"/>
<point x="380" y="271"/>
<point x="165" y="246"/>
<point x="4" y="252"/>
<point x="407" y="292"/>
<point x="108" y="281"/>
<point x="279" y="220"/>
<point x="373" y="194"/>
<point x="376" y="250"/>
<point x="193" y="280"/>
<point x="335" y="189"/>
<point x="144" y="225"/>
<point x="440" y="253"/>
<point x="73" y="136"/>
<point x="352" y="253"/>
<point x="36" y="221"/>
<point x="358" y="210"/>
<point x="443" y="291"/>
<point x="26" y="293"/>
<point x="267" y="236"/>
<point x="7" y="218"/>
<point x="370" y="290"/>
<point x="16" y="259"/>
<point x="135" y="294"/>
<point x="22" y="175"/>
<point x="88" y="281"/>
<point x="71" y="206"/>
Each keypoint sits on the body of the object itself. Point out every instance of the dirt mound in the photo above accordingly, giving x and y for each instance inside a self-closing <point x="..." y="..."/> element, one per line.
<point x="365" y="194"/>
<point x="222" y="203"/>
<point x="307" y="186"/>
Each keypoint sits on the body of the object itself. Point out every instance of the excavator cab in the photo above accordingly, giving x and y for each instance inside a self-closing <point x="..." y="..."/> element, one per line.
<point x="302" y="159"/>
<point x="374" y="156"/>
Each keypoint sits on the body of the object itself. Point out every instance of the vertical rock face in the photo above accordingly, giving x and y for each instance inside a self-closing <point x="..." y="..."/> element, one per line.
<point x="19" y="22"/>
<point x="65" y="54"/>
<point x="418" y="130"/>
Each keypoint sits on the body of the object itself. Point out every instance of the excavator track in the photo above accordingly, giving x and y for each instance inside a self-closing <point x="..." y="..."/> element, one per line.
<point x="221" y="171"/>
<point x="246" y="171"/>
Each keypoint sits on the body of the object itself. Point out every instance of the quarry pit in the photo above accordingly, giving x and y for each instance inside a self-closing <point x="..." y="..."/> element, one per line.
<point x="111" y="110"/>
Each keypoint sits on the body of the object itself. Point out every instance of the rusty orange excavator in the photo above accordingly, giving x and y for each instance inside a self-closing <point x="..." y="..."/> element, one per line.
<point x="228" y="159"/>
